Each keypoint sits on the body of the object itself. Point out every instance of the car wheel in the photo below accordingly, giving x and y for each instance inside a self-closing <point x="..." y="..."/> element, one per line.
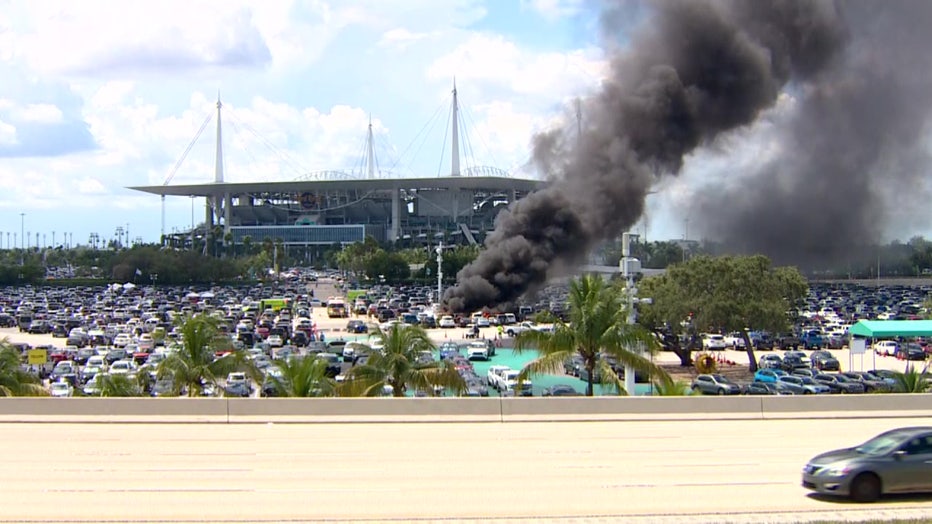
<point x="721" y="391"/>
<point x="865" y="488"/>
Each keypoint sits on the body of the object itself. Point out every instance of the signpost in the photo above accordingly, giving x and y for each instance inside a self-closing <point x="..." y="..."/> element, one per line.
<point x="37" y="357"/>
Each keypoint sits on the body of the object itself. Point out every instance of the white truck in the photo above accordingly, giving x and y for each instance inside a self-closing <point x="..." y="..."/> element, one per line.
<point x="527" y="325"/>
<point x="509" y="383"/>
<point x="494" y="377"/>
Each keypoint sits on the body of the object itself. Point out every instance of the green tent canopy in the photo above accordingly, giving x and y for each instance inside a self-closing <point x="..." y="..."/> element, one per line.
<point x="891" y="328"/>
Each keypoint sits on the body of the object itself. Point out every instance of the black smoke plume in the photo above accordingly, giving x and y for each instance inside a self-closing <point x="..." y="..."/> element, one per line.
<point x="849" y="152"/>
<point x="697" y="69"/>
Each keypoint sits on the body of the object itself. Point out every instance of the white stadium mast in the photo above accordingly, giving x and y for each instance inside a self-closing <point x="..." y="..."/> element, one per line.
<point x="455" y="151"/>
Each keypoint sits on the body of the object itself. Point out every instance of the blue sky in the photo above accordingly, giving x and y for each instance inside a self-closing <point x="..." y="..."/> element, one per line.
<point x="100" y="95"/>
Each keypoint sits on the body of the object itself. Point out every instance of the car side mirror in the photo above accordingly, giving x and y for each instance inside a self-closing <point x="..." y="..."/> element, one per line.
<point x="899" y="454"/>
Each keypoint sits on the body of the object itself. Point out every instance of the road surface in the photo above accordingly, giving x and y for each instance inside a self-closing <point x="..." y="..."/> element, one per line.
<point x="715" y="471"/>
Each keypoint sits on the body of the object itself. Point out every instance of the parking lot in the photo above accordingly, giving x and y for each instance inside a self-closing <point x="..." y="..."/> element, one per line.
<point x="111" y="328"/>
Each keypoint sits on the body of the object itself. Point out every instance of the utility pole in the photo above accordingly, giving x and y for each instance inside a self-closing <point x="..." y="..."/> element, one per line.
<point x="439" y="251"/>
<point x="630" y="268"/>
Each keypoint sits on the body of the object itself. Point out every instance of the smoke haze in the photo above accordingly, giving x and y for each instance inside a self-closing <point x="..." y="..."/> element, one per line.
<point x="694" y="71"/>
<point x="850" y="154"/>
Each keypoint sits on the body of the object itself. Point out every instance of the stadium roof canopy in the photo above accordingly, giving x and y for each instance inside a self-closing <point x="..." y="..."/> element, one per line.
<point x="892" y="328"/>
<point x="375" y="184"/>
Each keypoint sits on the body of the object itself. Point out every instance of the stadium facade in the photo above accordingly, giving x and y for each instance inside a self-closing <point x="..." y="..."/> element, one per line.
<point x="333" y="207"/>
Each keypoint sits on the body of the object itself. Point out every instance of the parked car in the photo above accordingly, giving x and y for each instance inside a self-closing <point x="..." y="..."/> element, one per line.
<point x="794" y="362"/>
<point x="770" y="361"/>
<point x="811" y="340"/>
<point x="794" y="384"/>
<point x="560" y="390"/>
<point x="896" y="461"/>
<point x="840" y="383"/>
<point x="357" y="326"/>
<point x="787" y="341"/>
<point x="61" y="389"/>
<point x="712" y="341"/>
<point x="824" y="361"/>
<point x="871" y="382"/>
<point x="805" y="372"/>
<point x="715" y="385"/>
<point x="760" y="388"/>
<point x="910" y="351"/>
<point x="768" y="375"/>
<point x="885" y="348"/>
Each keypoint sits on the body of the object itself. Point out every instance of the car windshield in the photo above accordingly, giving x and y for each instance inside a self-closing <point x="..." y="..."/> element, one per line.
<point x="721" y="379"/>
<point x="880" y="445"/>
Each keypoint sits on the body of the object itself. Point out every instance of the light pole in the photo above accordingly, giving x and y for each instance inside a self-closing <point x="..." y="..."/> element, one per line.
<point x="439" y="251"/>
<point x="22" y="228"/>
<point x="630" y="268"/>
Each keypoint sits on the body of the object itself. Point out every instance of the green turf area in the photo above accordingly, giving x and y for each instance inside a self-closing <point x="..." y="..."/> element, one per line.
<point x="508" y="357"/>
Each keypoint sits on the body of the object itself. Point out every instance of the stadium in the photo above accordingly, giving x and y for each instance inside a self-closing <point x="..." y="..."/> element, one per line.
<point x="330" y="208"/>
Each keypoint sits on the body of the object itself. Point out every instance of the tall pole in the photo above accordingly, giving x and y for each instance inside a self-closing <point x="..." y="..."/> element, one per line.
<point x="630" y="267"/>
<point x="455" y="166"/>
<point x="218" y="161"/>
<point x="578" y="121"/>
<point x="439" y="272"/>
<point x="22" y="229"/>
<point x="370" y="152"/>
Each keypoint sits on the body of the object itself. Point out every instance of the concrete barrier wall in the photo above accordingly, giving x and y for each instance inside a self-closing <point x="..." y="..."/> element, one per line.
<point x="79" y="409"/>
<point x="341" y="410"/>
<point x="629" y="408"/>
<point x="847" y="406"/>
<point x="365" y="410"/>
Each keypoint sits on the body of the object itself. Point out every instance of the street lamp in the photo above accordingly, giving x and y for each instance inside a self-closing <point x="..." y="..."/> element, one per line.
<point x="22" y="226"/>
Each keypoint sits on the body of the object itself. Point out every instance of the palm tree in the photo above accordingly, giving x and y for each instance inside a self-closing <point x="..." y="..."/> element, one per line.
<point x="396" y="365"/>
<point x="597" y="332"/>
<point x="14" y="380"/>
<point x="668" y="387"/>
<point x="913" y="380"/>
<point x="302" y="377"/>
<point x="122" y="385"/>
<point x="228" y="243"/>
<point x="194" y="365"/>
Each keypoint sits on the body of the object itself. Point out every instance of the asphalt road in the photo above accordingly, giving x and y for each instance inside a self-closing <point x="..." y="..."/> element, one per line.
<point x="716" y="471"/>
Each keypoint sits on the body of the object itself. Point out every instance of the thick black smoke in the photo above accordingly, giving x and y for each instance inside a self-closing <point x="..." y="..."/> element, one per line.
<point x="696" y="70"/>
<point x="850" y="153"/>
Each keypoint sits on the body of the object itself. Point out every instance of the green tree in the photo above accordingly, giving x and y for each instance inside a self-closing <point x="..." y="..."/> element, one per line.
<point x="396" y="365"/>
<point x="597" y="332"/>
<point x="228" y="243"/>
<point x="390" y="266"/>
<point x="354" y="257"/>
<point x="672" y="388"/>
<point x="303" y="377"/>
<point x="14" y="380"/>
<point x="727" y="294"/>
<point x="128" y="385"/>
<point x="194" y="366"/>
<point x="911" y="380"/>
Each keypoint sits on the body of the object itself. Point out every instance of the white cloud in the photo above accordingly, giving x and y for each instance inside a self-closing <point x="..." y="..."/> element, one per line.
<point x="91" y="186"/>
<point x="553" y="9"/>
<point x="401" y="38"/>
<point x="495" y="60"/>
<point x="38" y="114"/>
<point x="7" y="134"/>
